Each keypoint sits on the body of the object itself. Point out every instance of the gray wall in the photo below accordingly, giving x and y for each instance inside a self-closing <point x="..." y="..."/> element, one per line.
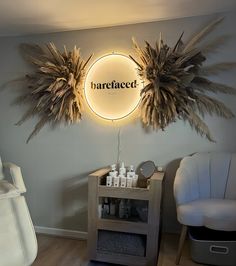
<point x="55" y="163"/>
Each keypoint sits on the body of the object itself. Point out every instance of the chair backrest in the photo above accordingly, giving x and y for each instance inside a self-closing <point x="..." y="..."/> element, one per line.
<point x="1" y="169"/>
<point x="206" y="175"/>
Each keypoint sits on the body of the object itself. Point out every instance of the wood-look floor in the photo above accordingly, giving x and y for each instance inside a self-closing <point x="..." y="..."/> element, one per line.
<point x="56" y="251"/>
<point x="168" y="250"/>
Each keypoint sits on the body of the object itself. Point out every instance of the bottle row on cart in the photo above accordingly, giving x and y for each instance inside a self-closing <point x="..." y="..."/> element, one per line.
<point x="122" y="178"/>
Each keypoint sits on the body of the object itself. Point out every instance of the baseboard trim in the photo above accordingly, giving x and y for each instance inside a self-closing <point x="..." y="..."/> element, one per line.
<point x="61" y="232"/>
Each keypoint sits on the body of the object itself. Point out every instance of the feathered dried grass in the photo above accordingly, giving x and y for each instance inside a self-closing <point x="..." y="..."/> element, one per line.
<point x="54" y="90"/>
<point x="177" y="85"/>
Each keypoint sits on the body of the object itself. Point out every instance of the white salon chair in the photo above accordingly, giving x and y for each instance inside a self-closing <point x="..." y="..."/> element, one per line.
<point x="205" y="193"/>
<point x="18" y="244"/>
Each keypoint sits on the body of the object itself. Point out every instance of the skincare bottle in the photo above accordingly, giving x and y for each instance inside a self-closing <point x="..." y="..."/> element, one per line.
<point x="116" y="181"/>
<point x="109" y="181"/>
<point x="122" y="170"/>
<point x="111" y="176"/>
<point x="128" y="209"/>
<point x="122" y="209"/>
<point x="113" y="172"/>
<point x="112" y="207"/>
<point x="100" y="210"/>
<point x="135" y="181"/>
<point x="106" y="207"/>
<point x="129" y="181"/>
<point x="131" y="172"/>
<point x="122" y="180"/>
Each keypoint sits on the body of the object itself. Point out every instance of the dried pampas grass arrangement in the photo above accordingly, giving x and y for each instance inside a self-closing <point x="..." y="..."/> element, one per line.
<point x="177" y="85"/>
<point x="54" y="90"/>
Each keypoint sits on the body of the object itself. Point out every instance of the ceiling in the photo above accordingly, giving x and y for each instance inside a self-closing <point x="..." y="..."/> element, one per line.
<point x="20" y="17"/>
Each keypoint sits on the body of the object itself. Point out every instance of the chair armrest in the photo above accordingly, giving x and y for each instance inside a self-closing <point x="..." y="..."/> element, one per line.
<point x="15" y="173"/>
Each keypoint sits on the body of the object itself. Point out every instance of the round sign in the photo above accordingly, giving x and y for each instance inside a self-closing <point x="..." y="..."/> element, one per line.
<point x="112" y="87"/>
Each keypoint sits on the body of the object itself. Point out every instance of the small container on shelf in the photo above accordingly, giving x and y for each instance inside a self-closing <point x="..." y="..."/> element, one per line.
<point x="122" y="209"/>
<point x="113" y="170"/>
<point x="127" y="209"/>
<point x="135" y="181"/>
<point x="129" y="182"/>
<point x="122" y="170"/>
<point x="123" y="181"/>
<point x="109" y="181"/>
<point x="112" y="175"/>
<point x="100" y="210"/>
<point x="116" y="181"/>
<point x="106" y="207"/>
<point x="131" y="172"/>
<point x="112" y="207"/>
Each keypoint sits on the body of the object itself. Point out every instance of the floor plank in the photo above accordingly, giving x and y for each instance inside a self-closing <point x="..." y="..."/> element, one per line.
<point x="56" y="251"/>
<point x="168" y="250"/>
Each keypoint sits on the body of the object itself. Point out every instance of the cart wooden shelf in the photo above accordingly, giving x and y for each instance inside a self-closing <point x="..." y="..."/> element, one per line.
<point x="150" y="229"/>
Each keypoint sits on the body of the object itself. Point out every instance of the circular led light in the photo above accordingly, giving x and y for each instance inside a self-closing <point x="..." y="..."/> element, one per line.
<point x="112" y="87"/>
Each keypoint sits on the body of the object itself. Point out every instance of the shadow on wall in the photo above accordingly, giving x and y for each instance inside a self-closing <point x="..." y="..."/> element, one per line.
<point x="74" y="204"/>
<point x="169" y="215"/>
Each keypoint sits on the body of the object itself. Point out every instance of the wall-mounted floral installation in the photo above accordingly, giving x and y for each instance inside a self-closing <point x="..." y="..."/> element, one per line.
<point x="54" y="90"/>
<point x="176" y="81"/>
<point x="177" y="85"/>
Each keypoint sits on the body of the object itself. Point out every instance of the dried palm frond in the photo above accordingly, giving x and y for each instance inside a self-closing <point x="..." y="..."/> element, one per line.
<point x="177" y="87"/>
<point x="54" y="89"/>
<point x="217" y="68"/>
<point x="213" y="46"/>
<point x="200" y="35"/>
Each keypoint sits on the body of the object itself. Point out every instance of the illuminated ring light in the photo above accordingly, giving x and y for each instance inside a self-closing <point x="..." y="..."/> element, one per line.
<point x="112" y="87"/>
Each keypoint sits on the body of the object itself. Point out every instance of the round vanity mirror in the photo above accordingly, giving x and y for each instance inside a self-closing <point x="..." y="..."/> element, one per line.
<point x="147" y="169"/>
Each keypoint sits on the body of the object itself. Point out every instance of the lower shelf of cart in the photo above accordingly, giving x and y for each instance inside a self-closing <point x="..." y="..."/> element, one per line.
<point x="131" y="244"/>
<point x="119" y="258"/>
